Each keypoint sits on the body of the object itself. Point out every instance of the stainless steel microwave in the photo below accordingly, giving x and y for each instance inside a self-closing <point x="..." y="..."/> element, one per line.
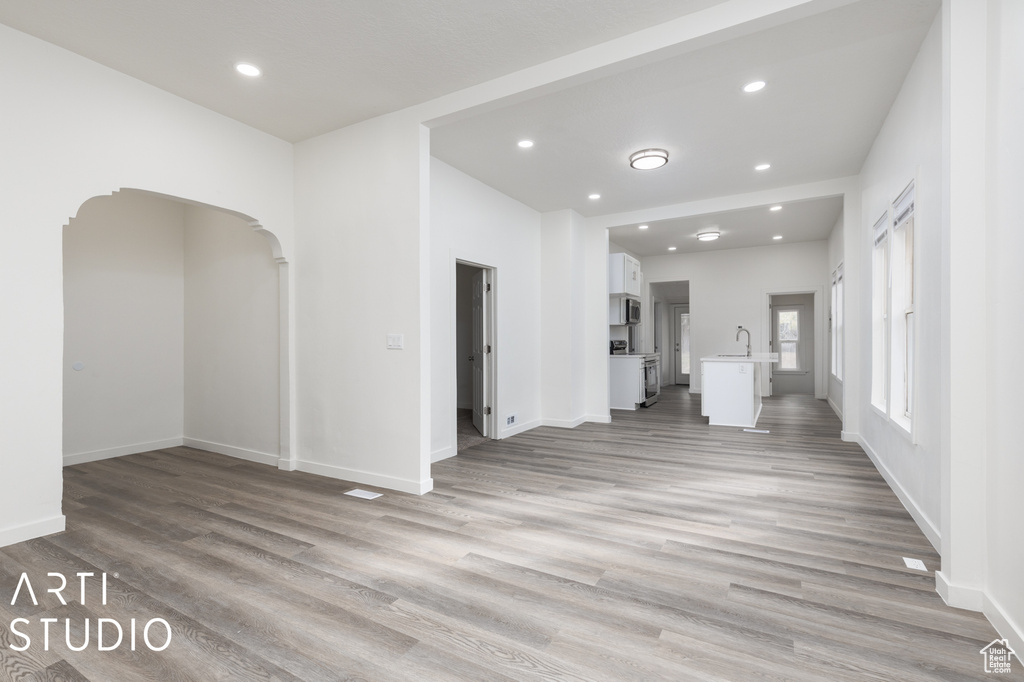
<point x="628" y="311"/>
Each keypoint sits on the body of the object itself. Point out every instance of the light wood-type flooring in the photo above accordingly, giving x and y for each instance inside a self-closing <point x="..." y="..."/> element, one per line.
<point x="652" y="548"/>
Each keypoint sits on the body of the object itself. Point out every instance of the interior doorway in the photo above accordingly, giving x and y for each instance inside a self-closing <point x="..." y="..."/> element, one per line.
<point x="474" y="354"/>
<point x="672" y="330"/>
<point x="792" y="336"/>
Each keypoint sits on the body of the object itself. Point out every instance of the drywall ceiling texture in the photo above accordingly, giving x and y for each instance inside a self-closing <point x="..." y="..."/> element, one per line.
<point x="329" y="64"/>
<point x="831" y="79"/>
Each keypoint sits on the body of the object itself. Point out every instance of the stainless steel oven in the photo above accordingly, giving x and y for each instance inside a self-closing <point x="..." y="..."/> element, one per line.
<point x="652" y="379"/>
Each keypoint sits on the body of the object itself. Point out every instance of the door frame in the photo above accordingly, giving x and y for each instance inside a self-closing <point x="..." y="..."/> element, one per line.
<point x="677" y="310"/>
<point x="490" y="359"/>
<point x="818" y="292"/>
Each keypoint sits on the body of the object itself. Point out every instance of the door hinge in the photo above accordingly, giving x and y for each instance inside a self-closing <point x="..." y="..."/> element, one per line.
<point x="488" y="288"/>
<point x="487" y="348"/>
<point x="487" y="410"/>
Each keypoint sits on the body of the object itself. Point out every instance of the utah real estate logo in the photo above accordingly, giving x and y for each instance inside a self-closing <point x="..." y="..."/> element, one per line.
<point x="998" y="656"/>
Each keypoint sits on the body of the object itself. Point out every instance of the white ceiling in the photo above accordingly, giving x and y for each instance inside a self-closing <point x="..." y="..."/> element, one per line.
<point x="798" y="221"/>
<point x="328" y="63"/>
<point x="832" y="77"/>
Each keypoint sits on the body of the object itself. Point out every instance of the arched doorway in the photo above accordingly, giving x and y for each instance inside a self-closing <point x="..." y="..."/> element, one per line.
<point x="176" y="331"/>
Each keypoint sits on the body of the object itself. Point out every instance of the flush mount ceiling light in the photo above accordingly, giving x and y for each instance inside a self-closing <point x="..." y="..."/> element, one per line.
<point x="708" y="236"/>
<point x="648" y="159"/>
<point x="778" y="236"/>
<point x="762" y="166"/>
<point x="671" y="248"/>
<point x="248" y="70"/>
<point x="753" y="86"/>
<point x="775" y="208"/>
<point x="642" y="227"/>
<point x="525" y="144"/>
<point x="594" y="196"/>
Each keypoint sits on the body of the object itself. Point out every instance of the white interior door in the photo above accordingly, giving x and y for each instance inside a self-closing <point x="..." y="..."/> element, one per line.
<point x="681" y="334"/>
<point x="480" y="350"/>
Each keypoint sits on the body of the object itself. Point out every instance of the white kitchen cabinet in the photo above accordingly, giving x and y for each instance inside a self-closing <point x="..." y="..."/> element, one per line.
<point x="626" y="382"/>
<point x="624" y="276"/>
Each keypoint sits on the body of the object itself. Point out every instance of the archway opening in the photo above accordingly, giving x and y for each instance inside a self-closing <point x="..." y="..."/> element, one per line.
<point x="174" y="331"/>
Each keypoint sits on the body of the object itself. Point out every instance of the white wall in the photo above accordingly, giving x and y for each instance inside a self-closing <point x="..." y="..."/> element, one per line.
<point x="908" y="147"/>
<point x="123" y="320"/>
<point x="361" y="215"/>
<point x="74" y="130"/>
<point x="231" y="323"/>
<point x="835" y="259"/>
<point x="1004" y="502"/>
<point x="469" y="221"/>
<point x="729" y="288"/>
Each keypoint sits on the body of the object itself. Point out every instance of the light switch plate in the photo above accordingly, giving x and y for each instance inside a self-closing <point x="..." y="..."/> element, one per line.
<point x="396" y="341"/>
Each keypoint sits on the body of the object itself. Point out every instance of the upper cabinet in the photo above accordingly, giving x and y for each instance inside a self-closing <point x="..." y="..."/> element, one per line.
<point x="623" y="274"/>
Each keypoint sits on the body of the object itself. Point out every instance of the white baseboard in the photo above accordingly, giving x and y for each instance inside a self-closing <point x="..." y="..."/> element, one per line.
<point x="599" y="418"/>
<point x="564" y="423"/>
<point x="120" y="451"/>
<point x="287" y="464"/>
<point x="849" y="436"/>
<point x="31" y="531"/>
<point x="519" y="428"/>
<point x="835" y="408"/>
<point x="1004" y="625"/>
<point x="367" y="478"/>
<point x="923" y="522"/>
<point x="232" y="451"/>
<point x="958" y="596"/>
<point x="443" y="453"/>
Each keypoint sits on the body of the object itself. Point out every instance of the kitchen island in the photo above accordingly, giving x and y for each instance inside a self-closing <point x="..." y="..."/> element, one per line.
<point x="731" y="388"/>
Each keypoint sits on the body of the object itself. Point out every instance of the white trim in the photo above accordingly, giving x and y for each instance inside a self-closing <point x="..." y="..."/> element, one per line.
<point x="835" y="408"/>
<point x="923" y="522"/>
<point x="564" y="423"/>
<point x="121" y="451"/>
<point x="849" y="437"/>
<point x="367" y="478"/>
<point x="958" y="596"/>
<point x="1003" y="623"/>
<point x="598" y="418"/>
<point x="443" y="453"/>
<point x="519" y="428"/>
<point x="30" y="531"/>
<point x="232" y="451"/>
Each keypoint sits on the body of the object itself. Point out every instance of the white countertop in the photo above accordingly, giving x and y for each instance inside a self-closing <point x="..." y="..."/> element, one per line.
<point x="635" y="355"/>
<point x="738" y="357"/>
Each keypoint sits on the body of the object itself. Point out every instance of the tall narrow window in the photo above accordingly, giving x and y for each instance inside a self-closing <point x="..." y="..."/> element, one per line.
<point x="837" y="323"/>
<point x="902" y="326"/>
<point x="789" y="339"/>
<point x="880" y="314"/>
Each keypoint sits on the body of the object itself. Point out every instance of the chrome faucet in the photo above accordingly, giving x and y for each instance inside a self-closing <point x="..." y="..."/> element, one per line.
<point x="741" y="329"/>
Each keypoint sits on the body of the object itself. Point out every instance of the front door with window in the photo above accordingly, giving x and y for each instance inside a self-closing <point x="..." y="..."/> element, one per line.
<point x="792" y="339"/>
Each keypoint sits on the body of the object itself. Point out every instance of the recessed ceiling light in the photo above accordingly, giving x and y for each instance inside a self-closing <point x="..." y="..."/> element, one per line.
<point x="594" y="196"/>
<point x="753" y="86"/>
<point x="708" y="236"/>
<point x="642" y="227"/>
<point x="778" y="236"/>
<point x="762" y="166"/>
<point x="671" y="248"/>
<point x="648" y="159"/>
<point x="525" y="144"/>
<point x="775" y="208"/>
<point x="247" y="70"/>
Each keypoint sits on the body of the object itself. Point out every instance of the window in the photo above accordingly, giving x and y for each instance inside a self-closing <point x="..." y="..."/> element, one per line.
<point x="892" y="312"/>
<point x="837" y="323"/>
<point x="789" y="339"/>
<point x="879" y="313"/>
<point x="901" y="388"/>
